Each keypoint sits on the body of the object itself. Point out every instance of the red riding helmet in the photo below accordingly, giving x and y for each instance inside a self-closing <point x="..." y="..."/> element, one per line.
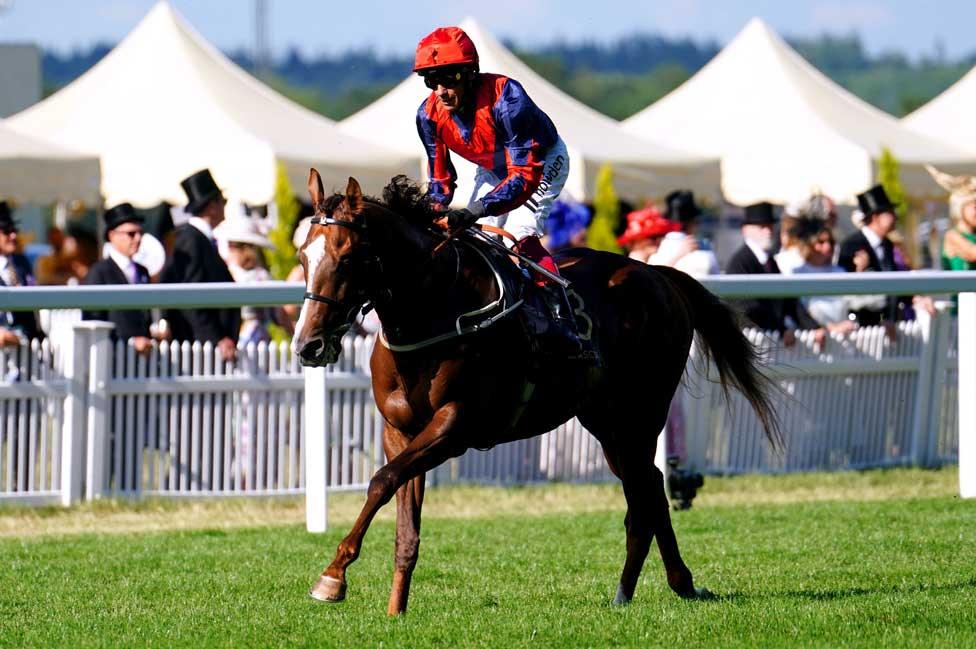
<point x="445" y="46"/>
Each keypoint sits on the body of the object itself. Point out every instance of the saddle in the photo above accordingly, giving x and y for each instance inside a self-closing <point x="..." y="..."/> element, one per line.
<point x="536" y="309"/>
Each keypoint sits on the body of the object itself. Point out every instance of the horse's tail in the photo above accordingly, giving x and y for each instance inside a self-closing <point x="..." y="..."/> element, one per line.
<point x="722" y="341"/>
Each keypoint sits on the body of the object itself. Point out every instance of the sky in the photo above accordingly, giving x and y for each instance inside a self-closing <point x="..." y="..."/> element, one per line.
<point x="913" y="27"/>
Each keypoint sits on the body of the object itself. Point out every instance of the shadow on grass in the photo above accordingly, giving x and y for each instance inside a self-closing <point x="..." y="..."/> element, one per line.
<point x="830" y="595"/>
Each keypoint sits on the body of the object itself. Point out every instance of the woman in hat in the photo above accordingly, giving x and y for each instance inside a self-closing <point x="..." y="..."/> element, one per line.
<point x="645" y="230"/>
<point x="959" y="245"/>
<point x="246" y="245"/>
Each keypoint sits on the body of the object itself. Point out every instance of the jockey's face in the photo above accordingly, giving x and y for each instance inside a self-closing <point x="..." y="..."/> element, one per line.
<point x="449" y="86"/>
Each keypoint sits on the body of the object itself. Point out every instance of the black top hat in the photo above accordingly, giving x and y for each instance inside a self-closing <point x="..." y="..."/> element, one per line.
<point x="680" y="206"/>
<point x="121" y="213"/>
<point x="200" y="189"/>
<point x="6" y="217"/>
<point x="760" y="214"/>
<point x="875" y="201"/>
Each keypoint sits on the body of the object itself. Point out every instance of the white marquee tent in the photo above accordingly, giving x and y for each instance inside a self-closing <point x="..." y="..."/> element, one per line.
<point x="35" y="171"/>
<point x="642" y="168"/>
<point x="165" y="103"/>
<point x="782" y="129"/>
<point x="949" y="116"/>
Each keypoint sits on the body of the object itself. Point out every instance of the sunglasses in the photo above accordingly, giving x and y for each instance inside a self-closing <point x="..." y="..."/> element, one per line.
<point x="130" y="233"/>
<point x="8" y="231"/>
<point x="446" y="78"/>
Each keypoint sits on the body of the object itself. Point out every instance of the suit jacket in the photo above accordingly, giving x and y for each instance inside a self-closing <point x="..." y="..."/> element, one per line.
<point x="848" y="248"/>
<point x="24" y="321"/>
<point x="128" y="323"/>
<point x="766" y="313"/>
<point x="194" y="259"/>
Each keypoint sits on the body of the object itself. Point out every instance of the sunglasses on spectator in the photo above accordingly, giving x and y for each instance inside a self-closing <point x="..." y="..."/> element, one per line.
<point x="130" y="233"/>
<point x="8" y="231"/>
<point x="446" y="78"/>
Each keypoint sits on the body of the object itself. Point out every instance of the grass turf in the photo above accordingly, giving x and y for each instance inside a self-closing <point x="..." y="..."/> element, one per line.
<point x="801" y="572"/>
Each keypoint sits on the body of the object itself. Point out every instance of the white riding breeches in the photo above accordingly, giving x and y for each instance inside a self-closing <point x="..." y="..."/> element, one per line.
<point x="529" y="218"/>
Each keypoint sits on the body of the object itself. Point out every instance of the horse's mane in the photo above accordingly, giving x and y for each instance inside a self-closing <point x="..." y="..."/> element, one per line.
<point x="402" y="196"/>
<point x="408" y="199"/>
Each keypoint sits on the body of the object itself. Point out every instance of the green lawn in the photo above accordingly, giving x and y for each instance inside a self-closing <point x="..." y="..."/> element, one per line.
<point x="811" y="570"/>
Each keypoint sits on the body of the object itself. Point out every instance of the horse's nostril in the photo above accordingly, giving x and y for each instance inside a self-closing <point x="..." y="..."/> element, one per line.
<point x="312" y="349"/>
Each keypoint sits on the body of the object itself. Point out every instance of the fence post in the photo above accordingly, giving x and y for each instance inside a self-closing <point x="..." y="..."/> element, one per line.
<point x="73" y="426"/>
<point x="99" y="404"/>
<point x="923" y="388"/>
<point x="967" y="388"/>
<point x="317" y="418"/>
<point x="941" y="335"/>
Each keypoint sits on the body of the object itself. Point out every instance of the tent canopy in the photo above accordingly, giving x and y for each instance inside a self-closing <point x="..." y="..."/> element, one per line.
<point x="782" y="129"/>
<point x="642" y="168"/>
<point x="165" y="103"/>
<point x="949" y="117"/>
<point x="35" y="171"/>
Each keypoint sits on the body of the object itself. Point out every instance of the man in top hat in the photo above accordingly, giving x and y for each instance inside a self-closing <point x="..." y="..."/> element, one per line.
<point x="755" y="258"/>
<point x="681" y="249"/>
<point x="16" y="327"/>
<point x="195" y="259"/>
<point x="123" y="231"/>
<point x="871" y="241"/>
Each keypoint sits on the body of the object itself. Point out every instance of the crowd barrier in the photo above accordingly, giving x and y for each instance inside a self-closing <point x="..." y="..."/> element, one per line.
<point x="88" y="418"/>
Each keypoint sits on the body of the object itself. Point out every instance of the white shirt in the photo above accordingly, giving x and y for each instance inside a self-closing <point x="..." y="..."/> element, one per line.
<point x="760" y="254"/>
<point x="125" y="263"/>
<point x="202" y="226"/>
<point x="875" y="241"/>
<point x="696" y="263"/>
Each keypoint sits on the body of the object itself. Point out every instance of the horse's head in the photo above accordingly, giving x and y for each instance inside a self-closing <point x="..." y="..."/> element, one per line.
<point x="338" y="265"/>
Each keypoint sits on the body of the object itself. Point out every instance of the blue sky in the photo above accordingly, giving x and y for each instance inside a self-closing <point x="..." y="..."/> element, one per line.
<point x="315" y="26"/>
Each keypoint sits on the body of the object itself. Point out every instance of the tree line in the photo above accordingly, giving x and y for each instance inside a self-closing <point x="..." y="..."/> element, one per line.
<point x="617" y="78"/>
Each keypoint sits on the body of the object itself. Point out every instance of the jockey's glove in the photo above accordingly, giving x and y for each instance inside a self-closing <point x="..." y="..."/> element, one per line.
<point x="465" y="218"/>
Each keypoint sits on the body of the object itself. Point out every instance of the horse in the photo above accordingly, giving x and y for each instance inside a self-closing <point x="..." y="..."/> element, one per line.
<point x="492" y="384"/>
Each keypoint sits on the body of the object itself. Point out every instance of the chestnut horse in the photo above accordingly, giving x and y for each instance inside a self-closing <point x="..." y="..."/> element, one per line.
<point x="476" y="390"/>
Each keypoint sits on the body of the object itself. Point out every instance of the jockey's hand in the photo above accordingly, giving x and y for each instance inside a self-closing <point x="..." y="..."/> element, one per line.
<point x="461" y="219"/>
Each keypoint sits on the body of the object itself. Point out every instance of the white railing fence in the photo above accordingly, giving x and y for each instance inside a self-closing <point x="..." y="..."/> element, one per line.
<point x="84" y="418"/>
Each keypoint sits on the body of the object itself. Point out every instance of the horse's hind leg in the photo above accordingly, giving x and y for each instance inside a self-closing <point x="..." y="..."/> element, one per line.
<point x="647" y="516"/>
<point x="410" y="499"/>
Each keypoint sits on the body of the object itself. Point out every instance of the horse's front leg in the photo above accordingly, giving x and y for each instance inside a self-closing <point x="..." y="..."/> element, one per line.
<point x="427" y="450"/>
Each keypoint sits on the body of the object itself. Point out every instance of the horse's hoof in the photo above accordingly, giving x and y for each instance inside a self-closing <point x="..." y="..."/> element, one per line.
<point x="703" y="593"/>
<point x="328" y="589"/>
<point x="621" y="599"/>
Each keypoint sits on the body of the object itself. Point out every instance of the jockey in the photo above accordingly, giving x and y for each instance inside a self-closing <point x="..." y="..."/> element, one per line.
<point x="490" y="120"/>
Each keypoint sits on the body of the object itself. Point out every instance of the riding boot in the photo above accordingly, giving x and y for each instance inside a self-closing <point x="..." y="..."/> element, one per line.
<point x="566" y="329"/>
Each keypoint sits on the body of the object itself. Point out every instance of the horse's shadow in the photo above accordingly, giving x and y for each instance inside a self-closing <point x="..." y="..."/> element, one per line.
<point x="830" y="595"/>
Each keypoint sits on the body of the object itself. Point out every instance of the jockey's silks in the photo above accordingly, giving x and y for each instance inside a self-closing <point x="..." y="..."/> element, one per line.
<point x="505" y="133"/>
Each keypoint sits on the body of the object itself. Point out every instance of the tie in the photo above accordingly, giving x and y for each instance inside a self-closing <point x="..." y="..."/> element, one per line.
<point x="769" y="266"/>
<point x="10" y="275"/>
<point x="131" y="273"/>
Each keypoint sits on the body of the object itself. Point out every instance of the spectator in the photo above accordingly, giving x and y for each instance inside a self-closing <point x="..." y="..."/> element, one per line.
<point x="959" y="245"/>
<point x="566" y="225"/>
<point x="123" y="230"/>
<point x="16" y="327"/>
<point x="816" y="241"/>
<point x="871" y="243"/>
<point x="195" y="259"/>
<point x="755" y="258"/>
<point x="246" y="264"/>
<point x="55" y="269"/>
<point x="82" y="250"/>
<point x="681" y="249"/>
<point x="645" y="231"/>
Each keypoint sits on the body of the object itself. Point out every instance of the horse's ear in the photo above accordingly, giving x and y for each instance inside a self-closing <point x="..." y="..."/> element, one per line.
<point x="315" y="189"/>
<point x="354" y="195"/>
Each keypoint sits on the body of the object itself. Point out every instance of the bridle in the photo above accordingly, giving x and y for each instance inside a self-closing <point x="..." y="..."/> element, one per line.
<point x="352" y="307"/>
